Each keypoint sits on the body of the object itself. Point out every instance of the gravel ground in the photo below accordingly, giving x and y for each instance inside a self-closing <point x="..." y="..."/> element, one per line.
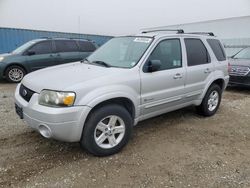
<point x="178" y="149"/>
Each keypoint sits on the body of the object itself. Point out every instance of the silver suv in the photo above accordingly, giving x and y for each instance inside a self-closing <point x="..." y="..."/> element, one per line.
<point x="129" y="79"/>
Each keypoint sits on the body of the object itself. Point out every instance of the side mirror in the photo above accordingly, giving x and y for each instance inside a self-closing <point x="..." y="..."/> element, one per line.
<point x="29" y="53"/>
<point x="154" y="65"/>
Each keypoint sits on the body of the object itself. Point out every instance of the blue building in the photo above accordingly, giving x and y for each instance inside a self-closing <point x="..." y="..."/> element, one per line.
<point x="11" y="38"/>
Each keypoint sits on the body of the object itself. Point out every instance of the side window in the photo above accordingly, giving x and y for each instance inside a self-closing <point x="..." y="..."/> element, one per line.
<point x="217" y="49"/>
<point x="66" y="46"/>
<point x="44" y="47"/>
<point x="197" y="53"/>
<point x="169" y="53"/>
<point x="86" y="46"/>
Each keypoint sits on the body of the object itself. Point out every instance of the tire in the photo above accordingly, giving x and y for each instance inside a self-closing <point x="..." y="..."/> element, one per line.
<point x="210" y="106"/>
<point x="100" y="127"/>
<point x="14" y="74"/>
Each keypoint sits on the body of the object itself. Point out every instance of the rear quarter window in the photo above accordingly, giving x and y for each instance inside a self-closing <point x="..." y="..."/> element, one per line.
<point x="217" y="49"/>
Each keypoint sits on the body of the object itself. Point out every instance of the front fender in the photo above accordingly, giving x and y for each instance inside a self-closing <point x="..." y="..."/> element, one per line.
<point x="102" y="94"/>
<point x="2" y="68"/>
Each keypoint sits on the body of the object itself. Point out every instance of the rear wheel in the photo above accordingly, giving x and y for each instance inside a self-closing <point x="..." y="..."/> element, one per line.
<point x="211" y="101"/>
<point x="14" y="74"/>
<point x="107" y="130"/>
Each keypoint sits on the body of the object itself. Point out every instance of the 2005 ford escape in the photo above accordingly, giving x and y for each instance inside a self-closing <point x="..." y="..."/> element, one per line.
<point x="97" y="101"/>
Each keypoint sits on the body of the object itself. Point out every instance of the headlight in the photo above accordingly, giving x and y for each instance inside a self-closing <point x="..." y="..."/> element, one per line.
<point x="1" y="59"/>
<point x="56" y="98"/>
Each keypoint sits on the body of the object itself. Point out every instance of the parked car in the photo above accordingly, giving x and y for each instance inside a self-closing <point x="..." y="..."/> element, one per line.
<point x="129" y="79"/>
<point x="240" y="68"/>
<point x="41" y="53"/>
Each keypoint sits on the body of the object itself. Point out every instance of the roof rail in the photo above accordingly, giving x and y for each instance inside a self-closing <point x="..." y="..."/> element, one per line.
<point x="73" y="38"/>
<point x="51" y="38"/>
<point x="44" y="38"/>
<point x="66" y="38"/>
<point x="177" y="30"/>
<point x="202" y="33"/>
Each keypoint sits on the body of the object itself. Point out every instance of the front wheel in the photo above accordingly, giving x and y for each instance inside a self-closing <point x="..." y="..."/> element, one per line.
<point x="14" y="74"/>
<point x="211" y="101"/>
<point x="107" y="130"/>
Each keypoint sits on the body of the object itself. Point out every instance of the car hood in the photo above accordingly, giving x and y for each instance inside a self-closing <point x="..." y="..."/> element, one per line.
<point x="239" y="62"/>
<point x="66" y="76"/>
<point x="8" y="56"/>
<point x="5" y="55"/>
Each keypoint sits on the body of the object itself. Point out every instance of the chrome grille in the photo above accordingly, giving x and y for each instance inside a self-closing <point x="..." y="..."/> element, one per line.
<point x="26" y="93"/>
<point x="239" y="71"/>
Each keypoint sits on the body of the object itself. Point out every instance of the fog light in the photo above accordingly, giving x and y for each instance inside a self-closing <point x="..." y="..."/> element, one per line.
<point x="45" y="131"/>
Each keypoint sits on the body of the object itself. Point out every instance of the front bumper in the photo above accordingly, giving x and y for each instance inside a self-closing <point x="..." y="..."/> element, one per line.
<point x="240" y="80"/>
<point x="65" y="124"/>
<point x="2" y="68"/>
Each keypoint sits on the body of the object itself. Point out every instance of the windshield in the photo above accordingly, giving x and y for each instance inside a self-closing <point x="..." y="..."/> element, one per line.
<point x="243" y="54"/>
<point x="20" y="49"/>
<point x="124" y="52"/>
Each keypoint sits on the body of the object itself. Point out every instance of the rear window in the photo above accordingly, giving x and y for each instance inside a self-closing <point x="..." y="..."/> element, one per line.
<point x="86" y="46"/>
<point x="66" y="46"/>
<point x="217" y="49"/>
<point x="196" y="52"/>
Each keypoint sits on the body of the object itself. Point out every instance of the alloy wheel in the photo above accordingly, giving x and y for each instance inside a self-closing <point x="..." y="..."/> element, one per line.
<point x="15" y="74"/>
<point x="109" y="132"/>
<point x="213" y="100"/>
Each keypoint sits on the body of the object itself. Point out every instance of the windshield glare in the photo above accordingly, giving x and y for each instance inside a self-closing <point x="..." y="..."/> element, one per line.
<point x="124" y="52"/>
<point x="21" y="49"/>
<point x="243" y="54"/>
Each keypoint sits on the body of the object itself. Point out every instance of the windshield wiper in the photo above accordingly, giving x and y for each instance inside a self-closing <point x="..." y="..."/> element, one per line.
<point x="101" y="63"/>
<point x="85" y="60"/>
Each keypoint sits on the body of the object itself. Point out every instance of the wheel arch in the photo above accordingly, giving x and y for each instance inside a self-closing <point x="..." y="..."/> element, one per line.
<point x="123" y="101"/>
<point x="218" y="81"/>
<point x="14" y="64"/>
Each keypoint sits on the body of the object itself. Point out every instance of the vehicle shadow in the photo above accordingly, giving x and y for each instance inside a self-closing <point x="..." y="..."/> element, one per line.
<point x="4" y="82"/>
<point x="238" y="89"/>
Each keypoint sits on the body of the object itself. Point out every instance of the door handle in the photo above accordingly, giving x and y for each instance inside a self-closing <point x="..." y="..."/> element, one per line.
<point x="177" y="76"/>
<point x="207" y="70"/>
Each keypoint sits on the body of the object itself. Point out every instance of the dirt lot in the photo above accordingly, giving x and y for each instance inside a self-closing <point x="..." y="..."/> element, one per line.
<point x="179" y="149"/>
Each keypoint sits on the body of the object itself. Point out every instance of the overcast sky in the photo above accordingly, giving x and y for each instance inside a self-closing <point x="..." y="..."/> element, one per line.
<point x="113" y="17"/>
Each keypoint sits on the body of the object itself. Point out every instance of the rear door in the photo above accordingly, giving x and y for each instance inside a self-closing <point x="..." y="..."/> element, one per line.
<point x="40" y="55"/>
<point x="86" y="48"/>
<point x="67" y="51"/>
<point x="199" y="68"/>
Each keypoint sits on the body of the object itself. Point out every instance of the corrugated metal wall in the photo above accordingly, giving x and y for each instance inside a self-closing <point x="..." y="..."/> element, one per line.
<point x="11" y="38"/>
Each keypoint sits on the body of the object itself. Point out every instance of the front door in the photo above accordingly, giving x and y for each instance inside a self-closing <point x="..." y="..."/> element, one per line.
<point x="163" y="89"/>
<point x="40" y="55"/>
